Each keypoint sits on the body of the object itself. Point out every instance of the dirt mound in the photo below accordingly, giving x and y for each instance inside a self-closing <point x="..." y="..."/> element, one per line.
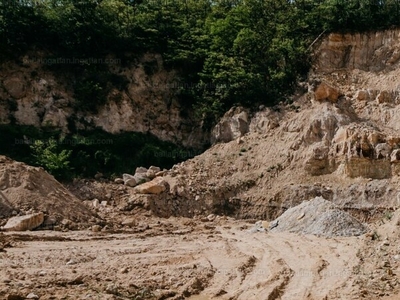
<point x="28" y="189"/>
<point x="319" y="217"/>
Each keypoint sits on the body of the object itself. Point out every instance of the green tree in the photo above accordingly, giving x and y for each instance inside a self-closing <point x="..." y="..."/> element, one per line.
<point x="48" y="155"/>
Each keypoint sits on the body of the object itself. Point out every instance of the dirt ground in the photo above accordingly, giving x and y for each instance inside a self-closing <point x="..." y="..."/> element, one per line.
<point x="180" y="258"/>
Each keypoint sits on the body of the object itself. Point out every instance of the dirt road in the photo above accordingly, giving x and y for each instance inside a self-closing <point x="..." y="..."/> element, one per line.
<point x="176" y="259"/>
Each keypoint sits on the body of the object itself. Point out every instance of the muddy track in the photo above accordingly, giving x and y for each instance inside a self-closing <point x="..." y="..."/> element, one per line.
<point x="227" y="262"/>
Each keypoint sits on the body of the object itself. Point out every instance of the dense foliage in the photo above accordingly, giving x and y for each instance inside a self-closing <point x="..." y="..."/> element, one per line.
<point x="227" y="52"/>
<point x="86" y="153"/>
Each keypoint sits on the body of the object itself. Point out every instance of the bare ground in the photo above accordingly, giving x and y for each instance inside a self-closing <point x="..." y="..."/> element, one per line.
<point x="177" y="258"/>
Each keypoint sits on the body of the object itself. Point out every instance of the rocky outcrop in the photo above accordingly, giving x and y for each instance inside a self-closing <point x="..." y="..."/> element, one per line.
<point x="232" y="125"/>
<point x="148" y="103"/>
<point x="24" y="223"/>
<point x="373" y="51"/>
<point x="265" y="120"/>
<point x="367" y="168"/>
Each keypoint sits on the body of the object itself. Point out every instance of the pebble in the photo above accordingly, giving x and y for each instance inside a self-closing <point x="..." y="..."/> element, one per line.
<point x="386" y="264"/>
<point x="32" y="296"/>
<point x="71" y="262"/>
<point x="211" y="217"/>
<point x="96" y="228"/>
<point x="42" y="273"/>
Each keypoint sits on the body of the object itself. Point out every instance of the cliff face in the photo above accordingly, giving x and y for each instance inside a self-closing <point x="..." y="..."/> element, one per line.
<point x="339" y="139"/>
<point x="374" y="52"/>
<point x="30" y="94"/>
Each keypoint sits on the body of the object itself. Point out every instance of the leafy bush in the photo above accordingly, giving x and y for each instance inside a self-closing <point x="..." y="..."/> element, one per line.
<point x="48" y="156"/>
<point x="84" y="154"/>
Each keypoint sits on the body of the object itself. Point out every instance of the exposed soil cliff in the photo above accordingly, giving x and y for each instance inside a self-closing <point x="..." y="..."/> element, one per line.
<point x="339" y="140"/>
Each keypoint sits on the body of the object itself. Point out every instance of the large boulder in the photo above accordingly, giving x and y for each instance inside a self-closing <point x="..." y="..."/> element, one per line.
<point x="152" y="171"/>
<point x="24" y="223"/>
<point x="233" y="124"/>
<point x="15" y="87"/>
<point x="156" y="186"/>
<point x="129" y="180"/>
<point x="326" y="92"/>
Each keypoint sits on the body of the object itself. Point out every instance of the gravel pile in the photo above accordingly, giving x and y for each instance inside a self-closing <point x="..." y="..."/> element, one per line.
<point x="320" y="217"/>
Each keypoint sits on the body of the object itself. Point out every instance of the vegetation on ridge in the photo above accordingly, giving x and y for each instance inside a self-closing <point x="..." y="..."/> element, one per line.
<point x="227" y="52"/>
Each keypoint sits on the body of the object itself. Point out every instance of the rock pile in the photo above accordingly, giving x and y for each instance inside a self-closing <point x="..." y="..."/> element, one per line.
<point x="319" y="217"/>
<point x="25" y="190"/>
<point x="146" y="181"/>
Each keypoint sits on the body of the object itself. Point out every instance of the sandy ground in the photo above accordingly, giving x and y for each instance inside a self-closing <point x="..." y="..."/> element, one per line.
<point x="179" y="259"/>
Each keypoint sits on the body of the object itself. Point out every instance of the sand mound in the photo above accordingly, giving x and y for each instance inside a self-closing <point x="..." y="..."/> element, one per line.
<point x="24" y="188"/>
<point x="320" y="217"/>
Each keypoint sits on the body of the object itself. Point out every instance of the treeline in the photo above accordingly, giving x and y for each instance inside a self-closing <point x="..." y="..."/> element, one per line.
<point x="247" y="52"/>
<point x="226" y="52"/>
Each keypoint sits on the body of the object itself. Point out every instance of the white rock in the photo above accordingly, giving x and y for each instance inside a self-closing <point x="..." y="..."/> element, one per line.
<point x="24" y="223"/>
<point x="96" y="203"/>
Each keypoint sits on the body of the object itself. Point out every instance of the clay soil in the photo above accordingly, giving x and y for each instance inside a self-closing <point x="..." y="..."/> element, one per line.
<point x="180" y="258"/>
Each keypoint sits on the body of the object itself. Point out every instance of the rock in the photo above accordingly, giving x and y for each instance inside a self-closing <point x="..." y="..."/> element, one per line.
<point x="326" y="92"/>
<point x="265" y="224"/>
<point x="156" y="186"/>
<point x="124" y="270"/>
<point x="386" y="264"/>
<point x="128" y="222"/>
<point x="395" y="156"/>
<point x="362" y="95"/>
<point x="141" y="178"/>
<point x="71" y="262"/>
<point x="140" y="170"/>
<point x="98" y="175"/>
<point x="68" y="224"/>
<point x="151" y="174"/>
<point x="129" y="180"/>
<point x="318" y="163"/>
<point x="382" y="150"/>
<point x="96" y="228"/>
<point x="104" y="203"/>
<point x="154" y="169"/>
<point x="233" y="124"/>
<point x="264" y="121"/>
<point x="118" y="181"/>
<point x="96" y="203"/>
<point x="211" y="217"/>
<point x="161" y="173"/>
<point x="32" y="296"/>
<point x="384" y="97"/>
<point x="42" y="273"/>
<point x="24" y="223"/>
<point x="15" y="87"/>
<point x="77" y="280"/>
